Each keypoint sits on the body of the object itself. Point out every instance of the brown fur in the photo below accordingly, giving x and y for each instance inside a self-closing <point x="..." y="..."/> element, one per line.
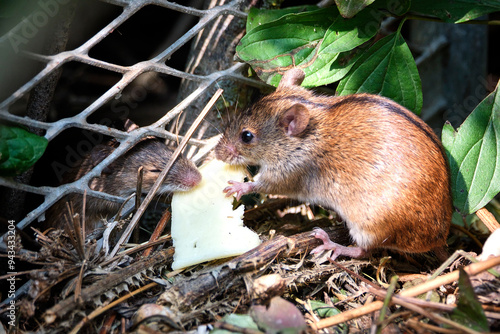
<point x="120" y="179"/>
<point x="380" y="167"/>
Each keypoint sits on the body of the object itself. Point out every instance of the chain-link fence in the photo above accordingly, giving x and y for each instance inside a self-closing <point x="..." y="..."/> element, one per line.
<point x="39" y="16"/>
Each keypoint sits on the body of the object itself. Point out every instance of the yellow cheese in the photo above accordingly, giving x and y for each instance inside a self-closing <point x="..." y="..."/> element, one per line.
<point x="204" y="225"/>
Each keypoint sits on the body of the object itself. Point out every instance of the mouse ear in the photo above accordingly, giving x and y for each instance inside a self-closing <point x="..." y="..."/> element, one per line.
<point x="295" y="120"/>
<point x="291" y="78"/>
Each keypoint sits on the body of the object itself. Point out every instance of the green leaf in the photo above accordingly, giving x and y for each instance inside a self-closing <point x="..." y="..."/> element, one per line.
<point x="320" y="42"/>
<point x="469" y="311"/>
<point x="448" y="135"/>
<point x="19" y="150"/>
<point x="257" y="17"/>
<point x="455" y="11"/>
<point x="324" y="72"/>
<point x="448" y="138"/>
<point x="324" y="310"/>
<point x="349" y="8"/>
<point x="474" y="153"/>
<point x="388" y="69"/>
<point x="242" y="321"/>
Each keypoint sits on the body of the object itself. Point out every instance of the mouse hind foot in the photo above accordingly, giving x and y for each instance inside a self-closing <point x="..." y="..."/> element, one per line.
<point x="338" y="250"/>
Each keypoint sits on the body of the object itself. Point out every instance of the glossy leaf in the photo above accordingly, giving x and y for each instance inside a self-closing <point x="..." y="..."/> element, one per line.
<point x="474" y="154"/>
<point x="349" y="8"/>
<point x="319" y="41"/>
<point x="388" y="69"/>
<point x="19" y="150"/>
<point x="455" y="11"/>
<point x="257" y="17"/>
<point x="448" y="137"/>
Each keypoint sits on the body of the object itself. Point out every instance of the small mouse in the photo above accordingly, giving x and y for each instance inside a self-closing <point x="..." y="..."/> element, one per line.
<point x="372" y="161"/>
<point x="120" y="179"/>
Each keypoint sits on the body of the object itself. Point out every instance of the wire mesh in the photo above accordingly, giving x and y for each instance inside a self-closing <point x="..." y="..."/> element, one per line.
<point x="128" y="74"/>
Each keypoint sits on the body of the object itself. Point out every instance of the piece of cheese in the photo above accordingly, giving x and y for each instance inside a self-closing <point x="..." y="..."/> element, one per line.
<point x="491" y="247"/>
<point x="204" y="225"/>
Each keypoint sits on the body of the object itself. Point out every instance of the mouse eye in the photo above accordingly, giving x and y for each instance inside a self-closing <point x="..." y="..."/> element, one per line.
<point x="155" y="170"/>
<point x="246" y="136"/>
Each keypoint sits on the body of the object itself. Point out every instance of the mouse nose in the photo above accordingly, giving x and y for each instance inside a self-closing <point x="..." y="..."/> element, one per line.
<point x="226" y="152"/>
<point x="192" y="178"/>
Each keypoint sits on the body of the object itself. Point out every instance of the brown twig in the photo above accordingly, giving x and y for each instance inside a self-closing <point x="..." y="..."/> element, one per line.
<point x="467" y="233"/>
<point x="106" y="327"/>
<point x="136" y="249"/>
<point x="488" y="219"/>
<point x="472" y="270"/>
<point x="418" y="325"/>
<point x="411" y="306"/>
<point x="138" y="192"/>
<point x="103" y="285"/>
<point x="436" y="306"/>
<point x="84" y="207"/>
<point x="97" y="312"/>
<point x="192" y="291"/>
<point x="163" y="174"/>
<point x="158" y="231"/>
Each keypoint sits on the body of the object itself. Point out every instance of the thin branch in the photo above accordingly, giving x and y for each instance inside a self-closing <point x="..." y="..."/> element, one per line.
<point x="411" y="306"/>
<point x="472" y="270"/>
<point x="488" y="219"/>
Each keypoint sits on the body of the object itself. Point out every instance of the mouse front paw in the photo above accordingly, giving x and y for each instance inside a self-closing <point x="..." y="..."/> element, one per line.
<point x="238" y="189"/>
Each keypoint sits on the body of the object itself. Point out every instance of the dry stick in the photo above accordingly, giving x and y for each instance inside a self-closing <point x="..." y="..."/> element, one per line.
<point x="100" y="310"/>
<point x="83" y="233"/>
<point x="437" y="318"/>
<point x="488" y="219"/>
<point x="163" y="174"/>
<point x="467" y="233"/>
<point x="79" y="233"/>
<point x="97" y="312"/>
<point x="417" y="325"/>
<point x="158" y="231"/>
<point x="416" y="308"/>
<point x="471" y="270"/>
<point x="109" y="282"/>
<point x="138" y="192"/>
<point x="387" y="300"/>
<point x="79" y="281"/>
<point x="494" y="314"/>
<point x="138" y="248"/>
<point x="186" y="293"/>
<point x="107" y="326"/>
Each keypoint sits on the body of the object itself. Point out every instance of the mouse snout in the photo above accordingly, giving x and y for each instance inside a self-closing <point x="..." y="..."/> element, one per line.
<point x="226" y="152"/>
<point x="191" y="178"/>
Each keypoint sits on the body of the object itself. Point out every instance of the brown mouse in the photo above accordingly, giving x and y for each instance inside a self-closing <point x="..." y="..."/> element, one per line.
<point x="120" y="179"/>
<point x="380" y="167"/>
